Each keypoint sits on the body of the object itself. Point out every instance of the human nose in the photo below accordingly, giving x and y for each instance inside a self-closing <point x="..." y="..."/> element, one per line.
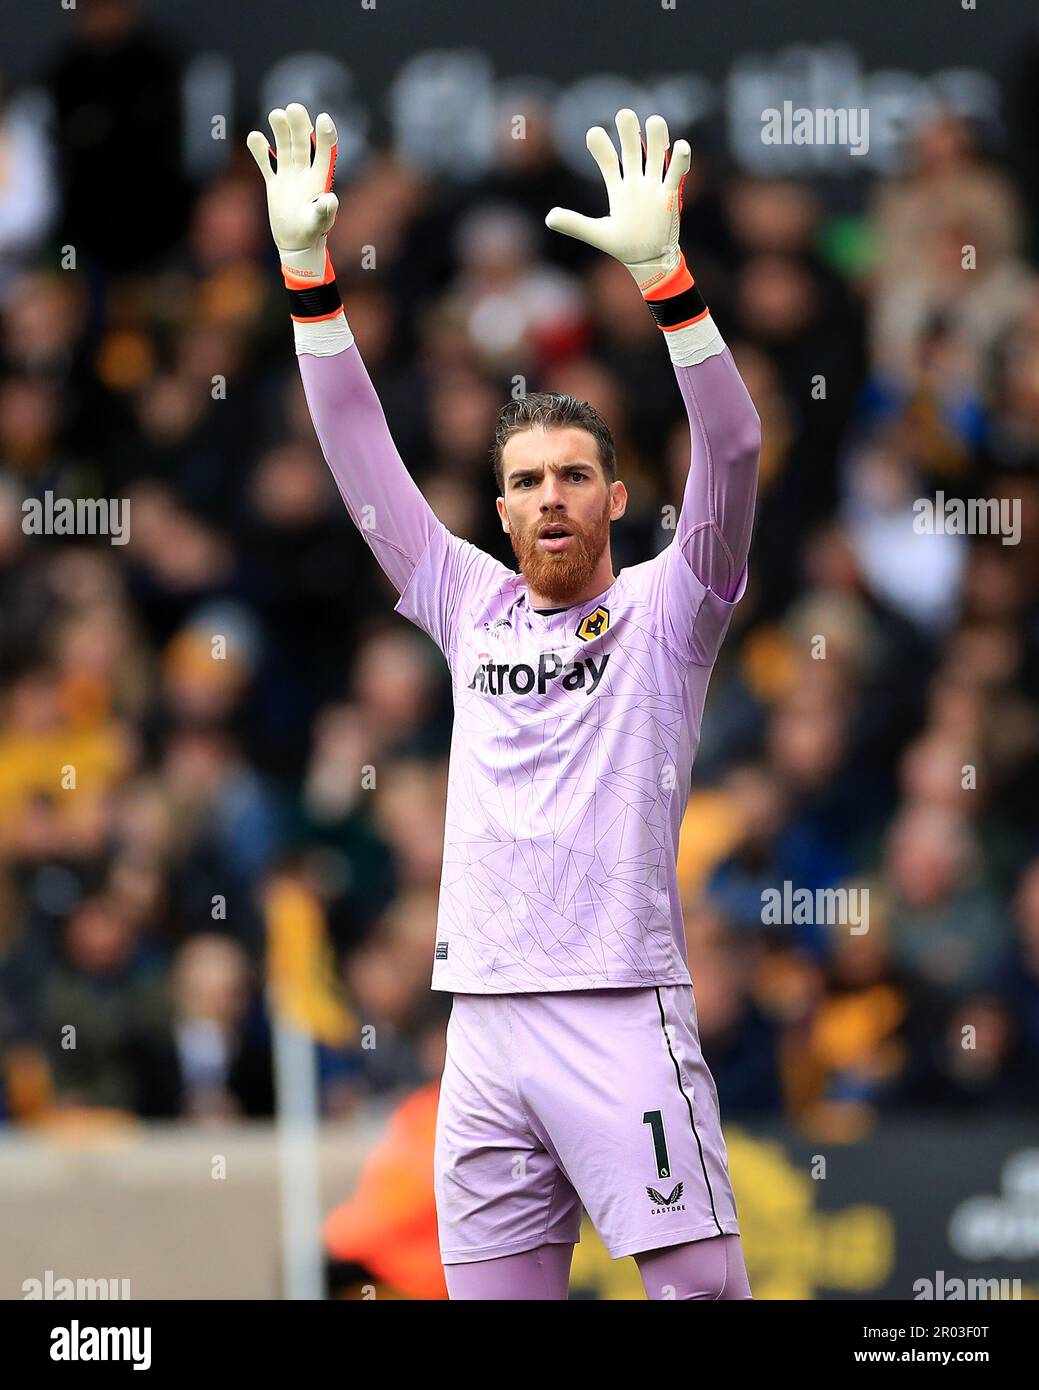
<point x="551" y="494"/>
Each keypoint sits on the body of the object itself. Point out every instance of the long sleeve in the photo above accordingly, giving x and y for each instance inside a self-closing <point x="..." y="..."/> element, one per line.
<point x="436" y="573"/>
<point x="717" y="515"/>
<point x="381" y="496"/>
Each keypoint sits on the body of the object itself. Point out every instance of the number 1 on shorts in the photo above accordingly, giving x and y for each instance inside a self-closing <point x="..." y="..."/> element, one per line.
<point x="656" y="1120"/>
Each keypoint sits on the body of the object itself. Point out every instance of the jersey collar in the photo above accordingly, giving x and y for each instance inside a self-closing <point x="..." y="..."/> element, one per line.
<point x="568" y="617"/>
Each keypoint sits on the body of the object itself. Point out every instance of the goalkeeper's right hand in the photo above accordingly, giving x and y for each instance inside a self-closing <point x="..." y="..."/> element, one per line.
<point x="301" y="206"/>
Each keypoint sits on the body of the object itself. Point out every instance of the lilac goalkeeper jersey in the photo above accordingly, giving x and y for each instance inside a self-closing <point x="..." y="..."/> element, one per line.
<point x="575" y="731"/>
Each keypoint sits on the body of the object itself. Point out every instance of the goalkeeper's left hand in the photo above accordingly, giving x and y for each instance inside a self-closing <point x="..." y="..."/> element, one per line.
<point x="641" y="230"/>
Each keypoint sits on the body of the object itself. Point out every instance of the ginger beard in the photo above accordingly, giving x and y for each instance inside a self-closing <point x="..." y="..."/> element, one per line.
<point x="561" y="574"/>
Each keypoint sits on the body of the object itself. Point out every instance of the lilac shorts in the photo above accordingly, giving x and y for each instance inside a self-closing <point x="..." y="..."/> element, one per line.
<point x="596" y="1097"/>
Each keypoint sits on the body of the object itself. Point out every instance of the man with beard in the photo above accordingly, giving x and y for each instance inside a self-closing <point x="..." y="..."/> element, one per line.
<point x="573" y="1073"/>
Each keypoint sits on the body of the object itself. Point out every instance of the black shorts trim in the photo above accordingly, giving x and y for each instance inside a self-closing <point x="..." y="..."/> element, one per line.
<point x="688" y="1106"/>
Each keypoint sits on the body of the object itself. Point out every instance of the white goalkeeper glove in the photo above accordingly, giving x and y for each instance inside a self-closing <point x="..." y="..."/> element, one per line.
<point x="301" y="206"/>
<point x="641" y="230"/>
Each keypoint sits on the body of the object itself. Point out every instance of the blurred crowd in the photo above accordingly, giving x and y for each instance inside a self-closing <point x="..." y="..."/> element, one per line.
<point x="872" y="720"/>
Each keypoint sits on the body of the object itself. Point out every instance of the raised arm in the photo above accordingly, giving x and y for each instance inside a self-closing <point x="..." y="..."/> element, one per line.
<point x="380" y="495"/>
<point x="435" y="572"/>
<point x="717" y="516"/>
<point x="641" y="231"/>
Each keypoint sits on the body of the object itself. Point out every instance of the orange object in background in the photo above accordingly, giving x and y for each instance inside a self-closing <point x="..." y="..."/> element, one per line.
<point x="389" y="1225"/>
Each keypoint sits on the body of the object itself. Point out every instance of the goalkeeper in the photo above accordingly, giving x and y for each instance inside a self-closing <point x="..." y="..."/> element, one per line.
<point x="574" y="1074"/>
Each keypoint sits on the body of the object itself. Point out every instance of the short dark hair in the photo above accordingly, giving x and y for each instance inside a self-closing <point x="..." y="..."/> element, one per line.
<point x="550" y="410"/>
